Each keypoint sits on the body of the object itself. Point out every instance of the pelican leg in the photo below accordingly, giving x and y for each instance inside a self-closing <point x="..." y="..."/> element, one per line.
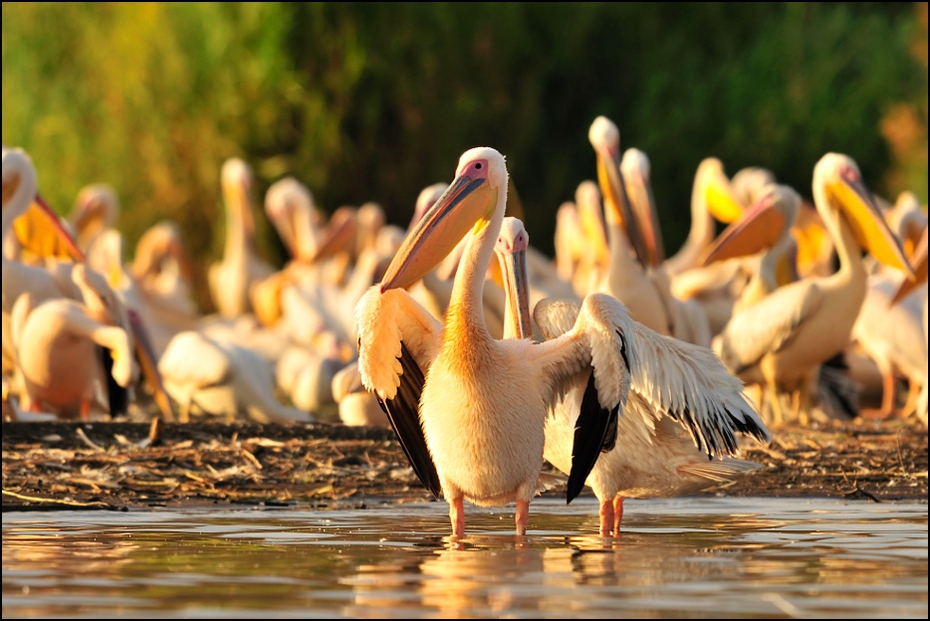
<point x="618" y="514"/>
<point x="889" y="393"/>
<point x="457" y="516"/>
<point x="607" y="517"/>
<point x="85" y="410"/>
<point x="913" y="394"/>
<point x="522" y="516"/>
<point x="767" y="366"/>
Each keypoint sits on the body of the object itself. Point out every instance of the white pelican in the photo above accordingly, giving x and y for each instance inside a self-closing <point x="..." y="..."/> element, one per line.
<point x="906" y="289"/>
<point x="44" y="282"/>
<point x="767" y="231"/>
<point x="306" y="376"/>
<point x="626" y="278"/>
<point x="783" y="339"/>
<point x="766" y="225"/>
<point x="220" y="378"/>
<point x="649" y="454"/>
<point x="633" y="275"/>
<point x="689" y="320"/>
<point x="231" y="279"/>
<point x="357" y="406"/>
<point x="469" y="409"/>
<point x="162" y="269"/>
<point x="57" y="346"/>
<point x="712" y="198"/>
<point x="95" y="209"/>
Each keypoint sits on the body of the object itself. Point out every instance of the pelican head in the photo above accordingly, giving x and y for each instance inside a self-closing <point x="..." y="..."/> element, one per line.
<point x="19" y="183"/>
<point x="96" y="207"/>
<point x="43" y="232"/>
<point x="236" y="180"/>
<point x="511" y="247"/>
<point x="470" y="202"/>
<point x="712" y="187"/>
<point x="838" y="183"/>
<point x="760" y="228"/>
<point x="605" y="138"/>
<point x="636" y="171"/>
<point x="289" y="205"/>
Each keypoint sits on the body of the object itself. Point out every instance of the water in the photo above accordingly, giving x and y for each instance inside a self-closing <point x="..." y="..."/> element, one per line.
<point x="700" y="557"/>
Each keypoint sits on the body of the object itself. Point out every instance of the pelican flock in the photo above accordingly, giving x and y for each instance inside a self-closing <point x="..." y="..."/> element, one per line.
<point x="632" y="369"/>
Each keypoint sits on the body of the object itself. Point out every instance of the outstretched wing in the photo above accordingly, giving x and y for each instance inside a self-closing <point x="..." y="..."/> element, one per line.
<point x="397" y="340"/>
<point x="588" y="339"/>
<point x="687" y="382"/>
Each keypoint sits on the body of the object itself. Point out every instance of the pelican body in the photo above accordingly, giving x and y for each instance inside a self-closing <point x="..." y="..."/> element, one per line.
<point x="783" y="338"/>
<point x="468" y="408"/>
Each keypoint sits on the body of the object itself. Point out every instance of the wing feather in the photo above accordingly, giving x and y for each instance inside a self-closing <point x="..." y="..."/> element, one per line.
<point x="682" y="380"/>
<point x="767" y="325"/>
<point x="397" y="341"/>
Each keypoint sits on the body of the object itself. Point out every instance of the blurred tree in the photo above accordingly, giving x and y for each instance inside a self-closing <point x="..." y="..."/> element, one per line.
<point x="374" y="101"/>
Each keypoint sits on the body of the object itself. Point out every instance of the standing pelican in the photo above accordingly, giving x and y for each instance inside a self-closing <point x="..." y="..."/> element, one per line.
<point x="782" y="339"/>
<point x="231" y="279"/>
<point x="649" y="454"/>
<point x="633" y="275"/>
<point x="470" y="409"/>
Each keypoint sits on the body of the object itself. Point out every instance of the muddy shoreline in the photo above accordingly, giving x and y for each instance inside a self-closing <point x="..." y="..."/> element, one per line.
<point x="131" y="466"/>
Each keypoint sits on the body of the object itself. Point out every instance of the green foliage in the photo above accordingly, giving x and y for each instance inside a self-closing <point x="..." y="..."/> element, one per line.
<point x="374" y="101"/>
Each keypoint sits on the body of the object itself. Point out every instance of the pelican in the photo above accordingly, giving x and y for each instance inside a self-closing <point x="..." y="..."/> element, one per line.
<point x="220" y="378"/>
<point x="469" y="409"/>
<point x="782" y="339"/>
<point x="231" y="279"/>
<point x="891" y="326"/>
<point x="626" y="278"/>
<point x="906" y="290"/>
<point x="712" y="197"/>
<point x="766" y="225"/>
<point x="649" y="454"/>
<point x="629" y="277"/>
<point x="161" y="268"/>
<point x="357" y="406"/>
<point x="689" y="320"/>
<point x="47" y="281"/>
<point x="95" y="209"/>
<point x="57" y="346"/>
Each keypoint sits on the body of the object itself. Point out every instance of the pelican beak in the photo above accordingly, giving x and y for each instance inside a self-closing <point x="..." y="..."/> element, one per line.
<point x="919" y="261"/>
<point x="148" y="361"/>
<point x="468" y="202"/>
<point x="617" y="207"/>
<point x="786" y="266"/>
<point x="338" y="236"/>
<point x="758" y="229"/>
<point x="639" y="191"/>
<point x="720" y="199"/>
<point x="513" y="271"/>
<point x="866" y="221"/>
<point x="42" y="232"/>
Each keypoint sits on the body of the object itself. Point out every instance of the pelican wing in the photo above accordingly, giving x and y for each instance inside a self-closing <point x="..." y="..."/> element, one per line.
<point x="684" y="381"/>
<point x="587" y="346"/>
<point x="397" y="340"/>
<point x="193" y="360"/>
<point x="768" y="325"/>
<point x="689" y="383"/>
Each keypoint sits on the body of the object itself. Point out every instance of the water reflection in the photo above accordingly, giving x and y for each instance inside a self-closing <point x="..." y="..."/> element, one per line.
<point x="699" y="557"/>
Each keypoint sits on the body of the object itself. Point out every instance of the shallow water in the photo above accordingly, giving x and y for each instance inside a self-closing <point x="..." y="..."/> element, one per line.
<point x="687" y="557"/>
